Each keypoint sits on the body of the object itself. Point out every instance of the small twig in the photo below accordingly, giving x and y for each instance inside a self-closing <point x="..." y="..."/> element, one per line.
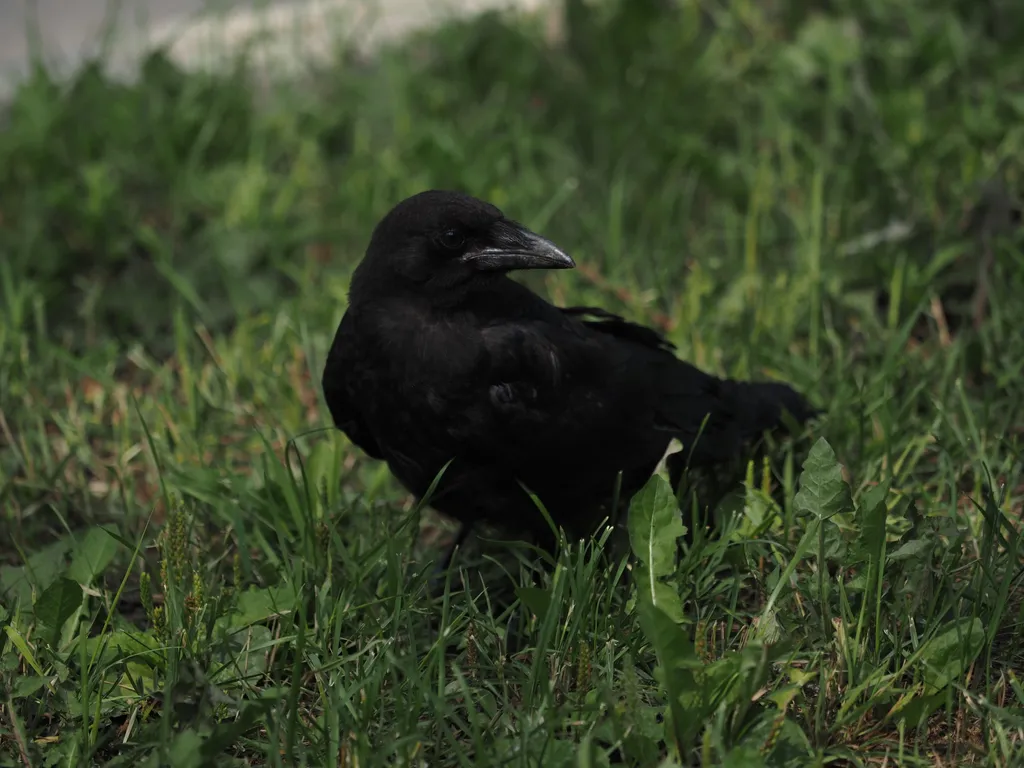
<point x="940" y="319"/>
<point x="19" y="737"/>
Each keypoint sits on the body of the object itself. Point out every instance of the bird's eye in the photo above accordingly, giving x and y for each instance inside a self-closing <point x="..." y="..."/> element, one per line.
<point x="452" y="239"/>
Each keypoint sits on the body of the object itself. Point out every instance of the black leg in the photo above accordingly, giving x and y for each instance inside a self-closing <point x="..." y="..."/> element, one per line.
<point x="436" y="586"/>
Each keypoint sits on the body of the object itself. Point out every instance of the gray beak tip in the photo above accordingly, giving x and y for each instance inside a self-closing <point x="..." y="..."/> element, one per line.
<point x="519" y="248"/>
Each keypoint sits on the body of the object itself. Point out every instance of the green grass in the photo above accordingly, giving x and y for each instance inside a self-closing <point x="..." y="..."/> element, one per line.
<point x="194" y="572"/>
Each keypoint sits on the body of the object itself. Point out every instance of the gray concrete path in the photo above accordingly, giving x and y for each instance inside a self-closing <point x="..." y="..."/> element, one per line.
<point x="203" y="33"/>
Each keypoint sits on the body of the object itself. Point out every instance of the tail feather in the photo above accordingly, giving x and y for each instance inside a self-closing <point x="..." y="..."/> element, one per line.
<point x="761" y="406"/>
<point x="717" y="421"/>
<point x="738" y="414"/>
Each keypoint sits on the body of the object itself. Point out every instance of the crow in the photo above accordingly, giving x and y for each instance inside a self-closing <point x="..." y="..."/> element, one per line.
<point x="442" y="361"/>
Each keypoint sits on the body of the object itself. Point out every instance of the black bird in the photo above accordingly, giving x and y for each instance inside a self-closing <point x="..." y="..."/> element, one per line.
<point x="442" y="357"/>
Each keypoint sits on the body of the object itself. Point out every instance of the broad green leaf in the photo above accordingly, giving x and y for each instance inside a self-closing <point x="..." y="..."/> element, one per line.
<point x="914" y="708"/>
<point x="873" y="512"/>
<point x="823" y="491"/>
<point x="17" y="582"/>
<point x="912" y="549"/>
<point x="784" y="696"/>
<point x="677" y="658"/>
<point x="92" y="555"/>
<point x="743" y="756"/>
<point x="255" y="604"/>
<point x="946" y="656"/>
<point x="654" y="526"/>
<point x="664" y="596"/>
<point x="871" y="540"/>
<point x="186" y="750"/>
<point x="55" y="606"/>
<point x="120" y="644"/>
<point x="28" y="685"/>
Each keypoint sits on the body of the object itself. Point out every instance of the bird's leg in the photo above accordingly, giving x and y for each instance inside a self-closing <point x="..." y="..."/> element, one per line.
<point x="436" y="586"/>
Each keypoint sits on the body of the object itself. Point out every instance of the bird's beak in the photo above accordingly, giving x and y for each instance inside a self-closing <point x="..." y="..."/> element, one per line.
<point x="513" y="246"/>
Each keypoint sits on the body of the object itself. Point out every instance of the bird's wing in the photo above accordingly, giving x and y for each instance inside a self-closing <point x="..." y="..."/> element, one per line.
<point x="342" y="371"/>
<point x="560" y="389"/>
<point x="615" y="325"/>
<point x="716" y="415"/>
<point x="679" y="398"/>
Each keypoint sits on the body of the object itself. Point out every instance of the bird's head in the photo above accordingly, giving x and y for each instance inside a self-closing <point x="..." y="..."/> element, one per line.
<point x="438" y="240"/>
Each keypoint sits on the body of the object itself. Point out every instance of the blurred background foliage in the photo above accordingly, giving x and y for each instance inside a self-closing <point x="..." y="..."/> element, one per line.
<point x="669" y="121"/>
